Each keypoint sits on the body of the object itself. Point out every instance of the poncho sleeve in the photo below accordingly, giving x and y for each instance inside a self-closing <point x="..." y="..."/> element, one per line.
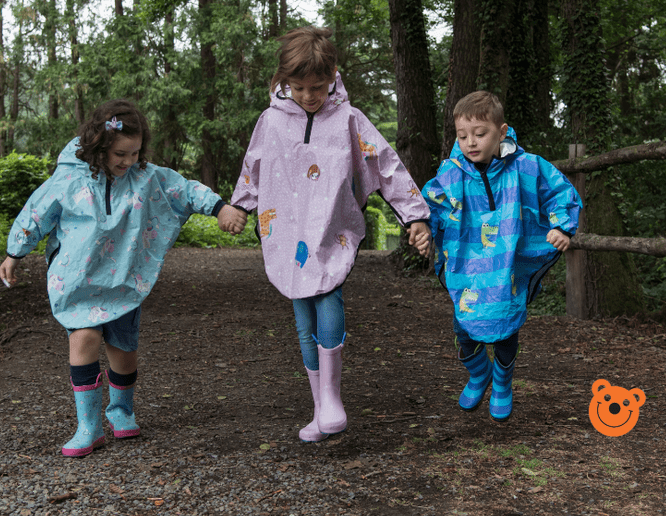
<point x="378" y="168"/>
<point x="558" y="199"/>
<point x="247" y="187"/>
<point x="39" y="216"/>
<point x="187" y="196"/>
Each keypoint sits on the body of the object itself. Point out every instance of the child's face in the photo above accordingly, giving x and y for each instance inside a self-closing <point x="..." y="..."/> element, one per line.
<point x="311" y="92"/>
<point x="123" y="154"/>
<point x="479" y="140"/>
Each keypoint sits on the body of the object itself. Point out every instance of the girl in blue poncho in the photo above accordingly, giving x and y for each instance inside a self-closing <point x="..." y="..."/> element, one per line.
<point x="111" y="217"/>
<point x="500" y="218"/>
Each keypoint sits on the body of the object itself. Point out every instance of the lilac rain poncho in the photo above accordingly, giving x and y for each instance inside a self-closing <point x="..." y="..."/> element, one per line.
<point x="308" y="176"/>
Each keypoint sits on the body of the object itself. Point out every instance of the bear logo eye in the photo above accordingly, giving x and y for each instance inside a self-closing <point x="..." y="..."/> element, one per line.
<point x="626" y="403"/>
<point x="607" y="397"/>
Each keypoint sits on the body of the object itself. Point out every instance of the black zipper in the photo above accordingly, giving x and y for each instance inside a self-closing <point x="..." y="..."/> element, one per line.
<point x="108" y="196"/>
<point x="486" y="183"/>
<point x="308" y="127"/>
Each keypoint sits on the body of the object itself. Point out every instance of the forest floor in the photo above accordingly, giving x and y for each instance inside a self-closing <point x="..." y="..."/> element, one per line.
<point x="222" y="393"/>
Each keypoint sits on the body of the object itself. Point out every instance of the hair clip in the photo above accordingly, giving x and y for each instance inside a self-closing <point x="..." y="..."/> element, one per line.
<point x="114" y="124"/>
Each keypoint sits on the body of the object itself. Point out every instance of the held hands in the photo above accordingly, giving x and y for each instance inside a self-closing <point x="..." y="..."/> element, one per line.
<point x="558" y="239"/>
<point x="232" y="220"/>
<point x="8" y="271"/>
<point x="419" y="237"/>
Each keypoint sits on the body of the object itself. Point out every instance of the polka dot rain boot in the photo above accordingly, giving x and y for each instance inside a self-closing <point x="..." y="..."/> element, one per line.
<point x="89" y="434"/>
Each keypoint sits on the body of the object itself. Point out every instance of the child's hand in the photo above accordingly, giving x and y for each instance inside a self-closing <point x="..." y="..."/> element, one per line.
<point x="559" y="240"/>
<point x="8" y="271"/>
<point x="419" y="237"/>
<point x="231" y="220"/>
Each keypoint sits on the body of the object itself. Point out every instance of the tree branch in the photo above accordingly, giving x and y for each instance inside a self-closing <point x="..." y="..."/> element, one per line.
<point x="591" y="242"/>
<point x="656" y="150"/>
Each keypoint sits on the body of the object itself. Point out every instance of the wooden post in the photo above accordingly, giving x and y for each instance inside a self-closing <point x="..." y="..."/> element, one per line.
<point x="576" y="291"/>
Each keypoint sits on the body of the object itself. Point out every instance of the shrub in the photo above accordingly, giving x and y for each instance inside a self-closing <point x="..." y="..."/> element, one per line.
<point x="20" y="175"/>
<point x="202" y="231"/>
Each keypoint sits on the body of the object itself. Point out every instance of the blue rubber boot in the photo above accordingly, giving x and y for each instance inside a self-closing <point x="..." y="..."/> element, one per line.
<point x="501" y="397"/>
<point x="480" y="374"/>
<point x="120" y="411"/>
<point x="89" y="434"/>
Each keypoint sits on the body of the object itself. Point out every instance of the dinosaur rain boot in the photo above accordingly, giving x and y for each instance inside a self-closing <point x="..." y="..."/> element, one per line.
<point x="311" y="433"/>
<point x="89" y="434"/>
<point x="480" y="374"/>
<point x="332" y="417"/>
<point x="120" y="411"/>
<point x="501" y="397"/>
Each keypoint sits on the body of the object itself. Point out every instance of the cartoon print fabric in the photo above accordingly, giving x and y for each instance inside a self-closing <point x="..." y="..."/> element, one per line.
<point x="107" y="240"/>
<point x="309" y="176"/>
<point x="490" y="233"/>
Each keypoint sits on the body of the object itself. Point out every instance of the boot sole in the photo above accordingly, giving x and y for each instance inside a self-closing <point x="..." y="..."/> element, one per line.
<point x="82" y="452"/>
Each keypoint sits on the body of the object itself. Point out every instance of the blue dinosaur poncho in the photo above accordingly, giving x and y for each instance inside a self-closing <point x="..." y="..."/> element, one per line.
<point x="107" y="239"/>
<point x="490" y="228"/>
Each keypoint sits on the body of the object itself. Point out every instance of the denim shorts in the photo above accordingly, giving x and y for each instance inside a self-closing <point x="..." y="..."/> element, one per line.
<point x="121" y="333"/>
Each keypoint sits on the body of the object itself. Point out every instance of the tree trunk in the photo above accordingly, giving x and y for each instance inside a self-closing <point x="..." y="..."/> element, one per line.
<point x="417" y="143"/>
<point x="50" y="14"/>
<point x="119" y="7"/>
<point x="208" y="65"/>
<point x="283" y="16"/>
<point x="496" y="39"/>
<point x="463" y="66"/>
<point x="611" y="283"/>
<point x="170" y="122"/>
<point x="3" y="81"/>
<point x="273" y="20"/>
<point x="71" y="15"/>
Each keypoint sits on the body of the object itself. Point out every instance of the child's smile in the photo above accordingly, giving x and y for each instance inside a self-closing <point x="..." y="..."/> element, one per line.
<point x="311" y="92"/>
<point x="123" y="154"/>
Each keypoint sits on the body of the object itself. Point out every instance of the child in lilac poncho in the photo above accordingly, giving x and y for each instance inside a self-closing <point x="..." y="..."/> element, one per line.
<point x="111" y="217"/>
<point x="311" y="164"/>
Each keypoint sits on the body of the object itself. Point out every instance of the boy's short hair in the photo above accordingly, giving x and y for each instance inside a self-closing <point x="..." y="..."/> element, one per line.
<point x="481" y="105"/>
<point x="305" y="51"/>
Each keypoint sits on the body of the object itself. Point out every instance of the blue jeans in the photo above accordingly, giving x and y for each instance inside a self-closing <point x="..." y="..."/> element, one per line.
<point x="321" y="317"/>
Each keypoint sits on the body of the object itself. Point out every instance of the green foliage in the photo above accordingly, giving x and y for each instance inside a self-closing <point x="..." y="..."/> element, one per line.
<point x="20" y="175"/>
<point x="5" y="226"/>
<point x="202" y="231"/>
<point x="377" y="225"/>
<point x="552" y="299"/>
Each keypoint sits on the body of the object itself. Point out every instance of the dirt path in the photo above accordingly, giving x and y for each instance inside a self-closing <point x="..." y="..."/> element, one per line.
<point x="222" y="393"/>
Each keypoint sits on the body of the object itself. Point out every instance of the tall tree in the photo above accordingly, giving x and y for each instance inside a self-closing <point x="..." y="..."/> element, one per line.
<point x="416" y="142"/>
<point x="71" y="17"/>
<point x="208" y="65"/>
<point x="611" y="284"/>
<point x="463" y="65"/>
<point x="3" y="84"/>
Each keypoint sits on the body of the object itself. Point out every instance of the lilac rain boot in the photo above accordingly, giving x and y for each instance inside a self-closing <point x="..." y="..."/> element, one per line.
<point x="120" y="411"/>
<point x="311" y="433"/>
<point x="332" y="418"/>
<point x="480" y="374"/>
<point x="89" y="434"/>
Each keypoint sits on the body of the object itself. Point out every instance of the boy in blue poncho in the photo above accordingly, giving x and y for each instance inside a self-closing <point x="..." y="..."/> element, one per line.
<point x="500" y="218"/>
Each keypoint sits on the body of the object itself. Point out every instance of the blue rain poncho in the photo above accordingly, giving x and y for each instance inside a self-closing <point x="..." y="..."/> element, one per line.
<point x="107" y="240"/>
<point x="490" y="228"/>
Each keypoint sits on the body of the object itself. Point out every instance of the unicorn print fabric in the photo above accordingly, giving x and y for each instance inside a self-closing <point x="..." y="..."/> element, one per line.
<point x="323" y="167"/>
<point x="112" y="238"/>
<point x="490" y="231"/>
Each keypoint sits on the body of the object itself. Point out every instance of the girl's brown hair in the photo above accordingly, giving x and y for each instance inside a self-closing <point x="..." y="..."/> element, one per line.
<point x="305" y="51"/>
<point x="96" y="139"/>
<point x="481" y="105"/>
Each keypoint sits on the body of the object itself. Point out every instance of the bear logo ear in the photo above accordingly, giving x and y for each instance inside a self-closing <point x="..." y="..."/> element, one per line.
<point x="638" y="395"/>
<point x="600" y="384"/>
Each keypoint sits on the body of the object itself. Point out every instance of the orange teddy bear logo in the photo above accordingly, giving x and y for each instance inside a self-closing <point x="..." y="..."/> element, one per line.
<point x="614" y="410"/>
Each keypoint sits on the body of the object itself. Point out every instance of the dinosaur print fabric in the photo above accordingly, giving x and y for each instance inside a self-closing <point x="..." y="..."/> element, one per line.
<point x="489" y="229"/>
